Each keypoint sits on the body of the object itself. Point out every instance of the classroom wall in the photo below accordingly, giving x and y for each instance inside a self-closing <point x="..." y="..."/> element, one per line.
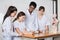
<point x="22" y="5"/>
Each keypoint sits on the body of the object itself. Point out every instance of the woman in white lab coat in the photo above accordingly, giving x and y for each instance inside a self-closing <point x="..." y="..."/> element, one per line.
<point x="43" y="22"/>
<point x="7" y="22"/>
<point x="19" y="25"/>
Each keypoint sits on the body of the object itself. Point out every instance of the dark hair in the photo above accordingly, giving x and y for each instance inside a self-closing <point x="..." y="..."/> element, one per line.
<point x="33" y="4"/>
<point x="10" y="10"/>
<point x="42" y="7"/>
<point x="19" y="15"/>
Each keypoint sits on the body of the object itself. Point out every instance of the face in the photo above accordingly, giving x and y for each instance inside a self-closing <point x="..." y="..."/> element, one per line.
<point x="13" y="14"/>
<point x="41" y="11"/>
<point x="31" y="8"/>
<point x="22" y="18"/>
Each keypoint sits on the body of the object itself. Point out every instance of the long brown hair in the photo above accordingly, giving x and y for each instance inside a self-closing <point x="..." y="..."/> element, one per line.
<point x="10" y="10"/>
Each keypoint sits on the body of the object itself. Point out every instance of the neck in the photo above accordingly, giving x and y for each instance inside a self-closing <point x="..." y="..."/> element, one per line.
<point x="29" y="11"/>
<point x="40" y="14"/>
<point x="19" y="20"/>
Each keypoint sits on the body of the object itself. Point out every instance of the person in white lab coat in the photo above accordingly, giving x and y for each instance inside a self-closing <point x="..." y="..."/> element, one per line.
<point x="8" y="22"/>
<point x="19" y="25"/>
<point x="30" y="17"/>
<point x="43" y="22"/>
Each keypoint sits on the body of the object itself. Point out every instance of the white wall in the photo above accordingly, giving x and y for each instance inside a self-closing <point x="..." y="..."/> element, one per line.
<point x="23" y="5"/>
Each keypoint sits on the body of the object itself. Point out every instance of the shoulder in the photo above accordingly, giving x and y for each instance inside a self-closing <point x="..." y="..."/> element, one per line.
<point x="7" y="19"/>
<point x="7" y="22"/>
<point x="16" y="22"/>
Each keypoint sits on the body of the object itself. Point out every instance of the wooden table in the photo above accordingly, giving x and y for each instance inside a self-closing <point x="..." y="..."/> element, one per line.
<point x="41" y="36"/>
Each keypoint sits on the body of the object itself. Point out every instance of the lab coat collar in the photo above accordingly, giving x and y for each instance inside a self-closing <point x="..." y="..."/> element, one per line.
<point x="29" y="13"/>
<point x="11" y="18"/>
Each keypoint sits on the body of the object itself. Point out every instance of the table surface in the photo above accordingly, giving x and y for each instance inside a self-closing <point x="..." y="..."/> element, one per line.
<point x="42" y="35"/>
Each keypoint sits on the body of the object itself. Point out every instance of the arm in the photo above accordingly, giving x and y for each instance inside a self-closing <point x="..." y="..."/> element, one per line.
<point x="55" y="21"/>
<point x="25" y="32"/>
<point x="18" y="31"/>
<point x="47" y="26"/>
<point x="47" y="29"/>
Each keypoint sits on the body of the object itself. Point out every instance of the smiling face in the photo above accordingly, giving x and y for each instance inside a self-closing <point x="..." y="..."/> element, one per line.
<point x="22" y="18"/>
<point x="31" y="8"/>
<point x="13" y="14"/>
<point x="41" y="11"/>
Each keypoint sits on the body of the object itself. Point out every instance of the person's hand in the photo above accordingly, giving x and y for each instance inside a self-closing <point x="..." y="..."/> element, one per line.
<point x="46" y="31"/>
<point x="25" y="32"/>
<point x="40" y="31"/>
<point x="36" y="32"/>
<point x="32" y="32"/>
<point x="21" y="34"/>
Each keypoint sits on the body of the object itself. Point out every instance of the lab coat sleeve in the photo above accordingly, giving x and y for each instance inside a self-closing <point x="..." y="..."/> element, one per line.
<point x="16" y="25"/>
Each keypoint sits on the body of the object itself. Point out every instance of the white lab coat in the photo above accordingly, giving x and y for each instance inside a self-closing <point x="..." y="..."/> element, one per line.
<point x="42" y="23"/>
<point x="31" y="21"/>
<point x="21" y="26"/>
<point x="6" y="26"/>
